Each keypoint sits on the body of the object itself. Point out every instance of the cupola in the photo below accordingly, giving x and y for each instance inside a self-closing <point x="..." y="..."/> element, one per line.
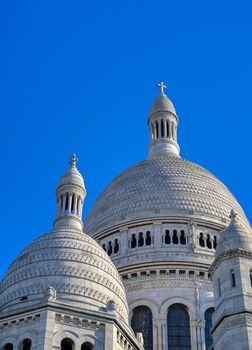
<point x="163" y="122"/>
<point x="70" y="194"/>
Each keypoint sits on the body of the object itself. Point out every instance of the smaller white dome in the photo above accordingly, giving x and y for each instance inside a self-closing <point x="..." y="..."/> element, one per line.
<point x="70" y="263"/>
<point x="162" y="104"/>
<point x="235" y="237"/>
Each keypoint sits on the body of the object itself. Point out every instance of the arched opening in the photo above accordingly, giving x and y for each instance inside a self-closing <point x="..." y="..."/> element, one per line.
<point x="178" y="323"/>
<point x="208" y="326"/>
<point x="87" y="346"/>
<point x="116" y="246"/>
<point x="148" y="238"/>
<point x="167" y="237"/>
<point x="72" y="204"/>
<point x="250" y="278"/>
<point x="175" y="237"/>
<point x="182" y="237"/>
<point x="140" y="239"/>
<point x="201" y="240"/>
<point x="167" y="129"/>
<point x="233" y="281"/>
<point x="162" y="128"/>
<point x="156" y="127"/>
<point x="110" y="248"/>
<point x="208" y="242"/>
<point x="26" y="345"/>
<point x="8" y="346"/>
<point x="66" y="344"/>
<point x="141" y="322"/>
<point x="133" y="241"/>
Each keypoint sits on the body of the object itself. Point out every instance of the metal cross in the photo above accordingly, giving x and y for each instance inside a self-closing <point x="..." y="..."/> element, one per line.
<point x="162" y="86"/>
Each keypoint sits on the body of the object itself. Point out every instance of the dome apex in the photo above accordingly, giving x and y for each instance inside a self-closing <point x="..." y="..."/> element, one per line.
<point x="162" y="103"/>
<point x="235" y="237"/>
<point x="72" y="175"/>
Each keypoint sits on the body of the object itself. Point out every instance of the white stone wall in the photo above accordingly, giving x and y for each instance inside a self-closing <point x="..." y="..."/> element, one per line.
<point x="46" y="329"/>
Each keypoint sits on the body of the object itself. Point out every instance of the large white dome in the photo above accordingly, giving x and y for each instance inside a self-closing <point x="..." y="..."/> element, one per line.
<point x="162" y="186"/>
<point x="70" y="262"/>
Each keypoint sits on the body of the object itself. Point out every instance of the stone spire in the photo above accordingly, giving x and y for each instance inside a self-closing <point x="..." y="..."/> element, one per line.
<point x="70" y="194"/>
<point x="163" y="123"/>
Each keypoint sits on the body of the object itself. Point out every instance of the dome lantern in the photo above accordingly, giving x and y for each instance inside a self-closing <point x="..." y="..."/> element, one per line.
<point x="163" y="123"/>
<point x="70" y="197"/>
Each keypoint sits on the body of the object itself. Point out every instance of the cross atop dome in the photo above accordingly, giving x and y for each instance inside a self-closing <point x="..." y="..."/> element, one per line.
<point x="73" y="160"/>
<point x="162" y="86"/>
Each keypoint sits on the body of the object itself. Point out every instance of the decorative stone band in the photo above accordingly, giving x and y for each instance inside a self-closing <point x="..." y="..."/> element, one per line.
<point x="63" y="288"/>
<point x="19" y="322"/>
<point x="78" y="321"/>
<point x="228" y="255"/>
<point x="243" y="319"/>
<point x="154" y="283"/>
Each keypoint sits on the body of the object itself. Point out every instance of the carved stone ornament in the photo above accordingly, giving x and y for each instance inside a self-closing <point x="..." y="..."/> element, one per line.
<point x="51" y="294"/>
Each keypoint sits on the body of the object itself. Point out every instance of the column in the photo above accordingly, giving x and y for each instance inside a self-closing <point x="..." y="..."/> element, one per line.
<point x="157" y="232"/>
<point x="70" y="197"/>
<point x="75" y="204"/>
<point x="80" y="208"/>
<point x="165" y="129"/>
<point x="64" y="203"/>
<point x="59" y="204"/>
<point x="170" y="130"/>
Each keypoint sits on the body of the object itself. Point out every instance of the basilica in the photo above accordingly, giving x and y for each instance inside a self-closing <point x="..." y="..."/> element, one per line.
<point x="163" y="261"/>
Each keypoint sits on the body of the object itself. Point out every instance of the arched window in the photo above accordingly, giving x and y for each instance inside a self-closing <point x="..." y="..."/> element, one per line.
<point x="140" y="239"/>
<point x="178" y="323"/>
<point x="156" y="126"/>
<point x="116" y="246"/>
<point x="8" y="346"/>
<point x="208" y="326"/>
<point x="208" y="242"/>
<point x="133" y="241"/>
<point x="233" y="282"/>
<point x="66" y="344"/>
<point x="141" y="322"/>
<point x="26" y="345"/>
<point x="250" y="278"/>
<point x="175" y="237"/>
<point x="201" y="240"/>
<point x="148" y="238"/>
<point x="182" y="237"/>
<point x="167" y="237"/>
<point x="87" y="346"/>
<point x="162" y="128"/>
<point x="110" y="248"/>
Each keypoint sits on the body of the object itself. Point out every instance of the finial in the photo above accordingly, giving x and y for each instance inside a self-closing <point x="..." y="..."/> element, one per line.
<point x="233" y="215"/>
<point x="74" y="160"/>
<point x="162" y="86"/>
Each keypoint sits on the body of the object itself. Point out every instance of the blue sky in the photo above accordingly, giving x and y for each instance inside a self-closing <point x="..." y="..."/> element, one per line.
<point x="79" y="76"/>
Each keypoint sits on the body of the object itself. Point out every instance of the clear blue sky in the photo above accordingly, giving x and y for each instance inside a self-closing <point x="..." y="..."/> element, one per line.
<point x="79" y="76"/>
